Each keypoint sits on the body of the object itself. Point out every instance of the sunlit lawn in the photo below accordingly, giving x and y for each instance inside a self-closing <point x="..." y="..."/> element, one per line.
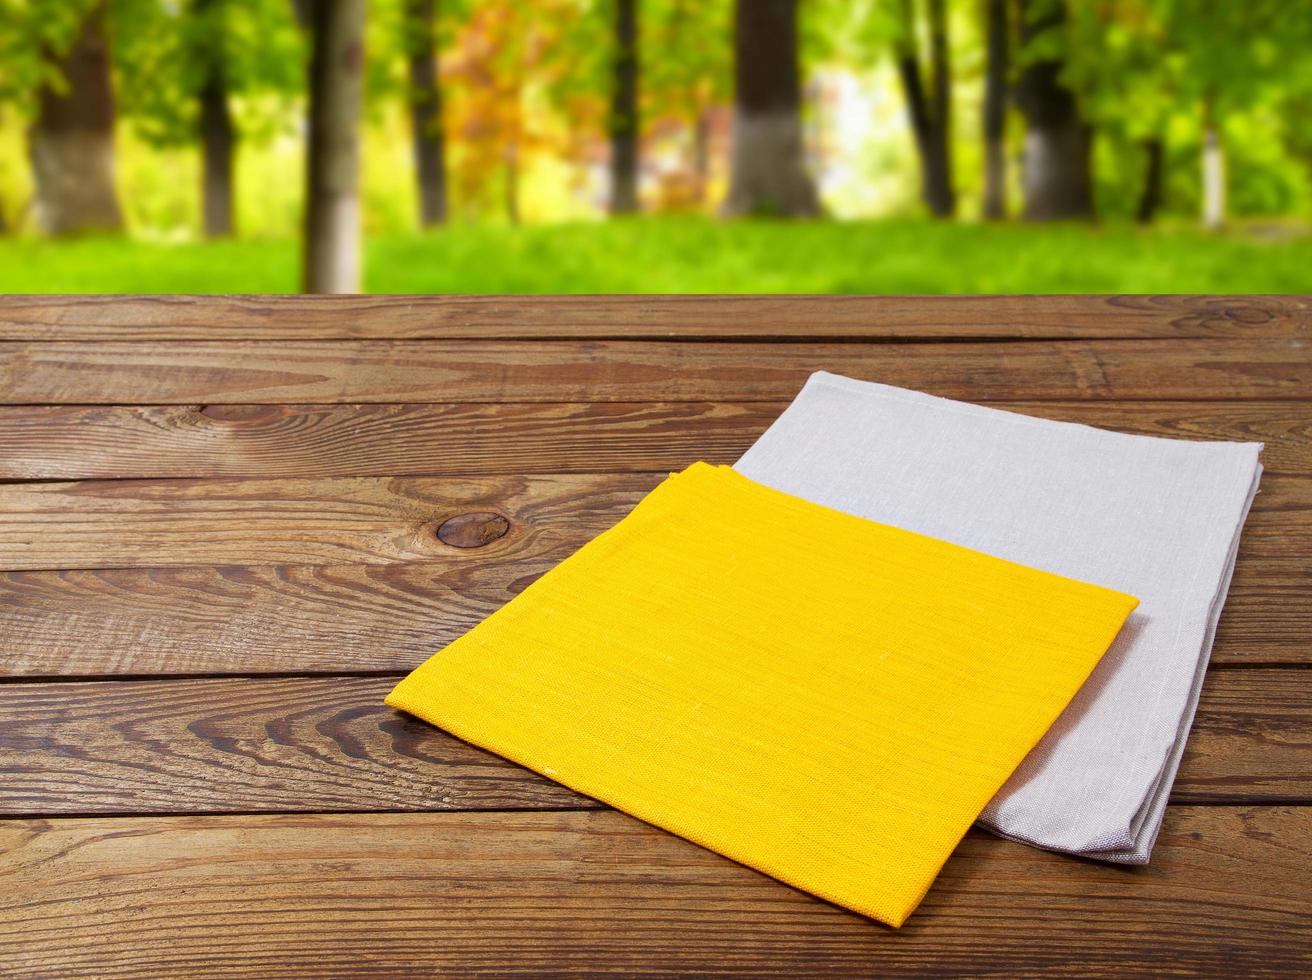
<point x="701" y="255"/>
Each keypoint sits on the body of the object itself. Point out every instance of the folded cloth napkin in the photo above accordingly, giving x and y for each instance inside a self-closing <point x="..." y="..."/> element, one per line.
<point x="1157" y="518"/>
<point x="826" y="699"/>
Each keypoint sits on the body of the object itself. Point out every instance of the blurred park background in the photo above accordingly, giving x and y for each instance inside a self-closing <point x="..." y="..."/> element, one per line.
<point x="655" y="145"/>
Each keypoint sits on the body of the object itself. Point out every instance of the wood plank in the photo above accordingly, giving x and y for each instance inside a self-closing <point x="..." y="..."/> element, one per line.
<point x="281" y="617"/>
<point x="296" y="619"/>
<point x="243" y="745"/>
<point x="289" y="372"/>
<point x="1251" y="739"/>
<point x="113" y="442"/>
<point x="601" y="317"/>
<point x="116" y="523"/>
<point x="598" y="892"/>
<point x="378" y="520"/>
<point x="89" y="442"/>
<point x="280" y="745"/>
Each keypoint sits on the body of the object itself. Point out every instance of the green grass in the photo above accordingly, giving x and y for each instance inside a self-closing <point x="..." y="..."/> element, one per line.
<point x="660" y="255"/>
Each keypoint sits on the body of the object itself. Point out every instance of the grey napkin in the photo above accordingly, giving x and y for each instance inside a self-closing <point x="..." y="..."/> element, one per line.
<point x="1157" y="518"/>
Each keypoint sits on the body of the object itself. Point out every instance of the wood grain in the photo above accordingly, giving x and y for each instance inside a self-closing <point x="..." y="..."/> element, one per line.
<point x="326" y="619"/>
<point x="598" y="893"/>
<point x="1253" y="729"/>
<point x="272" y="611"/>
<point x="376" y="520"/>
<point x="243" y="745"/>
<point x="265" y="619"/>
<point x="600" y="317"/>
<point x="256" y="488"/>
<point x="288" y="372"/>
<point x="329" y="743"/>
<point x="118" y="523"/>
<point x="143" y="441"/>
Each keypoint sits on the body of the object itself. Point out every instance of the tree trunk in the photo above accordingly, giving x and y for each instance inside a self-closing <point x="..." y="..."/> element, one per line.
<point x="995" y="112"/>
<point x="624" y="111"/>
<point x="1151" y="197"/>
<point x="71" y="140"/>
<point x="332" y="198"/>
<point x="426" y="114"/>
<point x="217" y="135"/>
<point x="1213" y="168"/>
<point x="768" y="173"/>
<point x="218" y="139"/>
<point x="1057" y="173"/>
<point x="939" y="192"/>
<point x="930" y="112"/>
<point x="701" y="151"/>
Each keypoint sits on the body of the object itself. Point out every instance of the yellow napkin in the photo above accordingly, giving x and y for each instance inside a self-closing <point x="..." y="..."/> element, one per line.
<point x="826" y="699"/>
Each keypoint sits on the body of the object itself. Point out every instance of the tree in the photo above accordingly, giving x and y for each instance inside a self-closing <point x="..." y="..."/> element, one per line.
<point x="1149" y="68"/>
<point x="425" y="96"/>
<point x="1121" y="65"/>
<point x="1150" y="196"/>
<point x="1057" y="173"/>
<point x="997" y="29"/>
<point x="29" y="35"/>
<point x="1233" y="52"/>
<point x="218" y="136"/>
<point x="71" y="139"/>
<point x="686" y="85"/>
<point x="624" y="111"/>
<point x="1226" y="47"/>
<point x="929" y="110"/>
<point x="180" y="69"/>
<point x="768" y="173"/>
<point x="503" y="56"/>
<point x="331" y="256"/>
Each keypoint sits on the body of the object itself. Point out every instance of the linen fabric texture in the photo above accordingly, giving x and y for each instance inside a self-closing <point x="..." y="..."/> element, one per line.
<point x="828" y="700"/>
<point x="1157" y="518"/>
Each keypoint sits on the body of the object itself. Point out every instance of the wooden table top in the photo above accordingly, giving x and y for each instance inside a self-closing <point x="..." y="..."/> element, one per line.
<point x="222" y="541"/>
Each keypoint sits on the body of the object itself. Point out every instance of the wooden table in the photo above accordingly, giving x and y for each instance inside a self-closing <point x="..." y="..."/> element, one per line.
<point x="228" y="525"/>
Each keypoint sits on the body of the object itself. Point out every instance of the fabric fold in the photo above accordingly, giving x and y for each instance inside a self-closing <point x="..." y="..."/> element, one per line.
<point x="829" y="700"/>
<point x="1158" y="518"/>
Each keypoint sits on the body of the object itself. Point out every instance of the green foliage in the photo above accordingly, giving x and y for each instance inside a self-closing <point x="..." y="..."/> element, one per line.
<point x="538" y="73"/>
<point x="30" y="30"/>
<point x="857" y="32"/>
<point x="578" y="44"/>
<point x="687" y="55"/>
<point x="1149" y="69"/>
<point x="393" y="32"/>
<point x="165" y="49"/>
<point x="685" y="52"/>
<point x="701" y="255"/>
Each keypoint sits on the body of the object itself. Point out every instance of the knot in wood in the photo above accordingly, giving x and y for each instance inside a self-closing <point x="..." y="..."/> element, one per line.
<point x="472" y="530"/>
<point x="1248" y="313"/>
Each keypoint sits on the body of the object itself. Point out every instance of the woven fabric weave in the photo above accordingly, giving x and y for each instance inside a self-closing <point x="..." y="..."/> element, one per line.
<point x="1158" y="518"/>
<point x="826" y="699"/>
